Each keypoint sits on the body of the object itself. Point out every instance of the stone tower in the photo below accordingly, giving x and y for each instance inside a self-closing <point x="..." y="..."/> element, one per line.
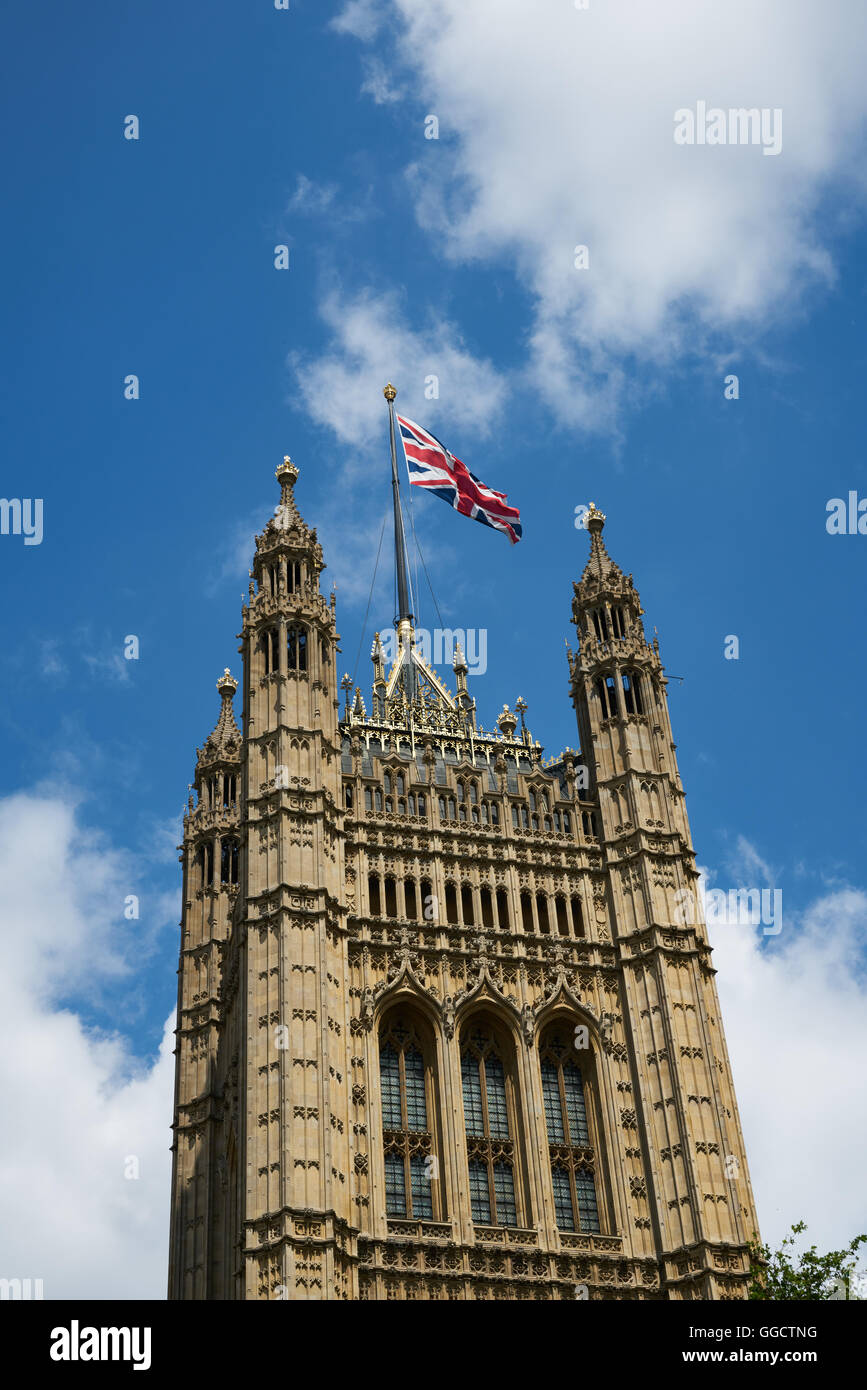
<point x="447" y="1025"/>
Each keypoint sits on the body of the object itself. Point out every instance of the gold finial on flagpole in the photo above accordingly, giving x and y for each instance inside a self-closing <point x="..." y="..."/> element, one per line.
<point x="389" y="393"/>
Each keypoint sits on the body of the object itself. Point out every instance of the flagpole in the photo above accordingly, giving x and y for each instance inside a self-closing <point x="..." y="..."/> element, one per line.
<point x="404" y="614"/>
<point x="400" y="557"/>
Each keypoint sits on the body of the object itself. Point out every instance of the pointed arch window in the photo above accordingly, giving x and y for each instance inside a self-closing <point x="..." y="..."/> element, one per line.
<point x="296" y="649"/>
<point x="606" y="690"/>
<point x="489" y="1126"/>
<point x="229" y="861"/>
<point x="206" y="863"/>
<point x="573" y="1159"/>
<point x="407" y="1107"/>
<point x="632" y="693"/>
<point x="270" y="650"/>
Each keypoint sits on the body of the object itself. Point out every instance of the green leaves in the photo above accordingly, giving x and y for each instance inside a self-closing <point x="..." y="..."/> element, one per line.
<point x="779" y="1274"/>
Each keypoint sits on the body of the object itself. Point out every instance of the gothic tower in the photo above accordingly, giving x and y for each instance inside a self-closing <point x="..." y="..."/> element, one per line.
<point x="447" y="1025"/>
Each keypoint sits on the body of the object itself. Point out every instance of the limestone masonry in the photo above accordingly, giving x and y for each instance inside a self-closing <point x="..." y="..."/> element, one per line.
<point x="444" y="1028"/>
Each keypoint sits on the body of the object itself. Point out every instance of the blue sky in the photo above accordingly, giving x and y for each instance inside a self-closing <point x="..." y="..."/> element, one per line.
<point x="409" y="257"/>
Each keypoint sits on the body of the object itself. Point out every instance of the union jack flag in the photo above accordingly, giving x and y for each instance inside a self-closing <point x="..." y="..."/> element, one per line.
<point x="432" y="467"/>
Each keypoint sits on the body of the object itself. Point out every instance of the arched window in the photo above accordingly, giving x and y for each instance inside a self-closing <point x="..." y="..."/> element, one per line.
<point x="270" y="639"/>
<point x="229" y="861"/>
<point x="606" y="691"/>
<point x="428" y="903"/>
<point x="390" y="898"/>
<point x="503" y="909"/>
<point x="527" y="912"/>
<point x="577" y="915"/>
<point x="409" y="898"/>
<point x="632" y="693"/>
<point x="562" y="919"/>
<point x="487" y="907"/>
<point x="347" y="796"/>
<point x="489" y="1128"/>
<point x="296" y="649"/>
<point x="573" y="1160"/>
<point x="373" y="894"/>
<point x="451" y="904"/>
<point x="206" y="863"/>
<point x="407" y="1107"/>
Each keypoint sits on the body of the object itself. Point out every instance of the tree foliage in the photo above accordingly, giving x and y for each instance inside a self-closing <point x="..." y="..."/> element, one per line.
<point x="783" y="1274"/>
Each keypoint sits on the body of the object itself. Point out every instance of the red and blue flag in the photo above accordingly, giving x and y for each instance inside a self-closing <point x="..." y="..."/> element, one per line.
<point x="432" y="467"/>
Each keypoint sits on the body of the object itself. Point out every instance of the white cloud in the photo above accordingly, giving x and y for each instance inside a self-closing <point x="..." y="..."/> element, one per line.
<point x="361" y="18"/>
<point x="310" y="197"/>
<point x="50" y="661"/>
<point x="76" y="1103"/>
<point x="372" y="344"/>
<point x="794" y="1009"/>
<point x="378" y="85"/>
<point x="558" y="125"/>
